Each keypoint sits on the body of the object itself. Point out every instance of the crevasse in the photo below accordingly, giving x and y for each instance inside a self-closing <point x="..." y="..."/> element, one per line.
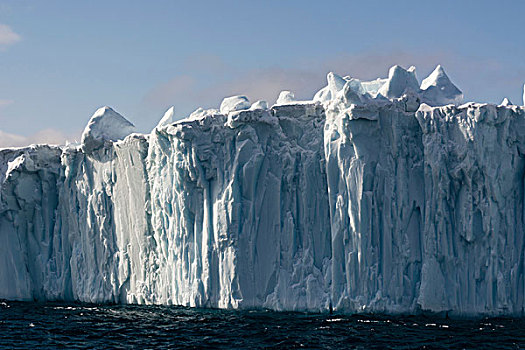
<point x="381" y="196"/>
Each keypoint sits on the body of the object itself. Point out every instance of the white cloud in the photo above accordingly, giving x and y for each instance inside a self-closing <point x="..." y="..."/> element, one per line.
<point x="8" y="36"/>
<point x="11" y="140"/>
<point x="49" y="136"/>
<point x="4" y="103"/>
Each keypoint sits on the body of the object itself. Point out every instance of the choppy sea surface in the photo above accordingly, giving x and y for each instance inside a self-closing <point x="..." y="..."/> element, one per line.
<point x="78" y="326"/>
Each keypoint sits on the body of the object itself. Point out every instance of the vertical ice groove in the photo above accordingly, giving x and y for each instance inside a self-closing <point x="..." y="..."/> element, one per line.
<point x="28" y="178"/>
<point x="237" y="177"/>
<point x="474" y="170"/>
<point x="375" y="178"/>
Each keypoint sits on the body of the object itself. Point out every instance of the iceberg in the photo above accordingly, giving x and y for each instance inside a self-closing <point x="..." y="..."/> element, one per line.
<point x="375" y="196"/>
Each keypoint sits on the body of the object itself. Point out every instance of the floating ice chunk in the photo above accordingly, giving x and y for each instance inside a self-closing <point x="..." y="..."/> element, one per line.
<point x="168" y="117"/>
<point x="399" y="80"/>
<point x="105" y="125"/>
<point x="505" y="102"/>
<point x="234" y="103"/>
<point x="259" y="105"/>
<point x="285" y="97"/>
<point x="438" y="90"/>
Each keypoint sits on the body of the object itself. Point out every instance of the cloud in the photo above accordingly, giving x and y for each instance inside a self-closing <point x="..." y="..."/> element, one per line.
<point x="11" y="140"/>
<point x="8" y="36"/>
<point x="49" y="136"/>
<point x="4" y="103"/>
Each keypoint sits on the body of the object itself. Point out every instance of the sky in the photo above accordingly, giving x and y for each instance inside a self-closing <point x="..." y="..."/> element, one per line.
<point x="61" y="60"/>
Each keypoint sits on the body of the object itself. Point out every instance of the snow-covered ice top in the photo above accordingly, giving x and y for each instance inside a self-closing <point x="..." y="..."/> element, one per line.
<point x="259" y="105"/>
<point x="401" y="84"/>
<point x="168" y="117"/>
<point x="505" y="102"/>
<point x="285" y="97"/>
<point x="105" y="125"/>
<point x="234" y="103"/>
<point x="435" y="90"/>
<point x="399" y="81"/>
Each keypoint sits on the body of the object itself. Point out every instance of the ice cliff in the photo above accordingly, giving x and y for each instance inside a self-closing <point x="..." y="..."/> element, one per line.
<point x="375" y="196"/>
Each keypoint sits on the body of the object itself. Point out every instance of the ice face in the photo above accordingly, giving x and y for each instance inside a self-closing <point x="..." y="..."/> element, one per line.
<point x="240" y="214"/>
<point x="355" y="201"/>
<point x="473" y="231"/>
<point x="28" y="203"/>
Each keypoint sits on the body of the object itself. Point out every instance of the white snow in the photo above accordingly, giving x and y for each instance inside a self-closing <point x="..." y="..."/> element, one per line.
<point x="505" y="102"/>
<point x="168" y="117"/>
<point x="259" y="105"/>
<point x="285" y="97"/>
<point x="234" y="103"/>
<point x="11" y="140"/>
<point x="355" y="201"/>
<point x="399" y="81"/>
<point x="105" y="125"/>
<point x="438" y="90"/>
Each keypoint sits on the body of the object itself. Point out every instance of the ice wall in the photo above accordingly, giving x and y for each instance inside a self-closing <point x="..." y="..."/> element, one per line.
<point x="28" y="201"/>
<point x="242" y="222"/>
<point x="102" y="234"/>
<point x="474" y="208"/>
<point x="366" y="199"/>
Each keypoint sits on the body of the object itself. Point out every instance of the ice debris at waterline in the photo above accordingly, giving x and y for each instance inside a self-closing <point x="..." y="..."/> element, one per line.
<point x="375" y="196"/>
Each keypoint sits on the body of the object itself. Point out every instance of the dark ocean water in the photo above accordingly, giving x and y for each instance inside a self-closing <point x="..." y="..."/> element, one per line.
<point x="73" y="326"/>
